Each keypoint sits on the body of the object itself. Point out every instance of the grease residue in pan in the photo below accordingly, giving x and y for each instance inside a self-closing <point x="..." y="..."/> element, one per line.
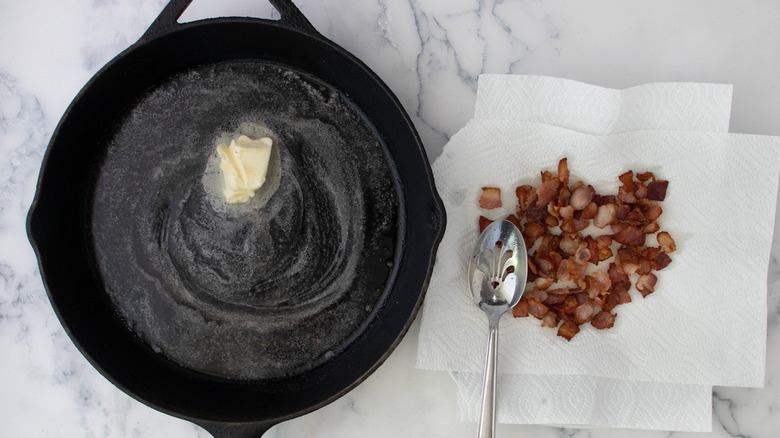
<point x="260" y="290"/>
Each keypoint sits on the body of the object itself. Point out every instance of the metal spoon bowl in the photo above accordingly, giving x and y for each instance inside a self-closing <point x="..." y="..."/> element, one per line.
<point x="498" y="270"/>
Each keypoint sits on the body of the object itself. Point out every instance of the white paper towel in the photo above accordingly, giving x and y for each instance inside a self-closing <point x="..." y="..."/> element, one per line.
<point x="645" y="345"/>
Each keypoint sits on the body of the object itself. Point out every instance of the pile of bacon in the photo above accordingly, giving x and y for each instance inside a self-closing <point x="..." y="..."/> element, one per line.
<point x="568" y="285"/>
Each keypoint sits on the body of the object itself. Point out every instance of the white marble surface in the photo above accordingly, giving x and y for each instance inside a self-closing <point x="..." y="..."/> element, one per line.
<point x="430" y="54"/>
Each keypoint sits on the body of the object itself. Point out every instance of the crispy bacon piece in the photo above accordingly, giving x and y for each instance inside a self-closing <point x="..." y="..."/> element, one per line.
<point x="563" y="171"/>
<point x="568" y="329"/>
<point x="666" y="242"/>
<point x="533" y="231"/>
<point x="584" y="312"/>
<point x="590" y="211"/>
<point x="645" y="284"/>
<point x="606" y="215"/>
<point x="656" y="190"/>
<point x="629" y="236"/>
<point x="643" y="177"/>
<point x="628" y="182"/>
<point x="550" y="319"/>
<point x="603" y="320"/>
<point x="537" y="309"/>
<point x="521" y="309"/>
<point x="661" y="261"/>
<point x="547" y="192"/>
<point x="581" y="197"/>
<point x="490" y="198"/>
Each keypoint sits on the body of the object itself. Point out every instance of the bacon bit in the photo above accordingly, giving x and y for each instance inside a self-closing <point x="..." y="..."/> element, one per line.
<point x="603" y="320"/>
<point x="666" y="242"/>
<point x="561" y="291"/>
<point x="641" y="191"/>
<point x="538" y="310"/>
<point x="643" y="177"/>
<point x="490" y="199"/>
<point x="645" y="284"/>
<point x="566" y="212"/>
<point x="483" y="223"/>
<point x="533" y="231"/>
<point x="584" y="312"/>
<point x="551" y="221"/>
<point x="547" y="192"/>
<point x="568" y="329"/>
<point x="651" y="228"/>
<point x="656" y="190"/>
<point x="521" y="309"/>
<point x="542" y="283"/>
<point x="536" y="214"/>
<point x="628" y="182"/>
<point x="617" y="297"/>
<point x="604" y="200"/>
<point x="569" y="243"/>
<point x="525" y="196"/>
<point x="590" y="211"/>
<point x="582" y="256"/>
<point x="661" y="261"/>
<point x="563" y="171"/>
<point x="629" y="236"/>
<point x="550" y="319"/>
<point x="626" y="197"/>
<point x="569" y="305"/>
<point x="606" y="215"/>
<point x="651" y="210"/>
<point x="581" y="197"/>
<point x="599" y="283"/>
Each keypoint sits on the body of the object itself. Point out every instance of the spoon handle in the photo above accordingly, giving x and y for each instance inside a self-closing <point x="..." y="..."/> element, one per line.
<point x="487" y="412"/>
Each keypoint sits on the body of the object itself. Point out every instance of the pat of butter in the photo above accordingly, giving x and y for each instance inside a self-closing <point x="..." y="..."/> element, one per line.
<point x="244" y="165"/>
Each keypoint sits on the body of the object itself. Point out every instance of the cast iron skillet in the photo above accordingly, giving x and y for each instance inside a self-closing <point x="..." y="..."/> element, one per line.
<point x="60" y="228"/>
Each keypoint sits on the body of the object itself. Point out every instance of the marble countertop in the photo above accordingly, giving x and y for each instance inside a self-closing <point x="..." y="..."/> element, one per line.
<point x="430" y="54"/>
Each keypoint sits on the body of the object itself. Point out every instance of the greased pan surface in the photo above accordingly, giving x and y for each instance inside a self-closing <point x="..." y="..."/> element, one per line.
<point x="235" y="318"/>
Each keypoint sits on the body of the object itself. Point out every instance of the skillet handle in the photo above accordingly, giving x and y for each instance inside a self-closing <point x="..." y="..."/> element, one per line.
<point x="235" y="430"/>
<point x="291" y="16"/>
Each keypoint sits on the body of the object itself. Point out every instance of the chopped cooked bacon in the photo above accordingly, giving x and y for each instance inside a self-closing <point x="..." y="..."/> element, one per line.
<point x="629" y="236"/>
<point x="590" y="211"/>
<point x="550" y="319"/>
<point x="537" y="309"/>
<point x="603" y="320"/>
<point x="643" y="177"/>
<point x="666" y="242"/>
<point x="533" y="231"/>
<point x="584" y="312"/>
<point x="651" y="210"/>
<point x="606" y="215"/>
<point x="560" y="285"/>
<point x="563" y="171"/>
<point x="521" y="309"/>
<point x="581" y="197"/>
<point x="490" y="198"/>
<point x="628" y="182"/>
<point x="543" y="283"/>
<point x="645" y="284"/>
<point x="568" y="329"/>
<point x="569" y="243"/>
<point x="656" y="190"/>
<point x="547" y="192"/>
<point x="525" y="196"/>
<point x="661" y="261"/>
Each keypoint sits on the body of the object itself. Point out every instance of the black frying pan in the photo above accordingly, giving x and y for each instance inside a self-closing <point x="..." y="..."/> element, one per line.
<point x="235" y="319"/>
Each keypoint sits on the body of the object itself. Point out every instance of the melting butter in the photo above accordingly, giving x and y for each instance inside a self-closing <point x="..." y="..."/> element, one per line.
<point x="244" y="166"/>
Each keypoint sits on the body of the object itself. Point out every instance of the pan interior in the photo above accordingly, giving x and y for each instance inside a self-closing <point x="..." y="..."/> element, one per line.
<point x="250" y="291"/>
